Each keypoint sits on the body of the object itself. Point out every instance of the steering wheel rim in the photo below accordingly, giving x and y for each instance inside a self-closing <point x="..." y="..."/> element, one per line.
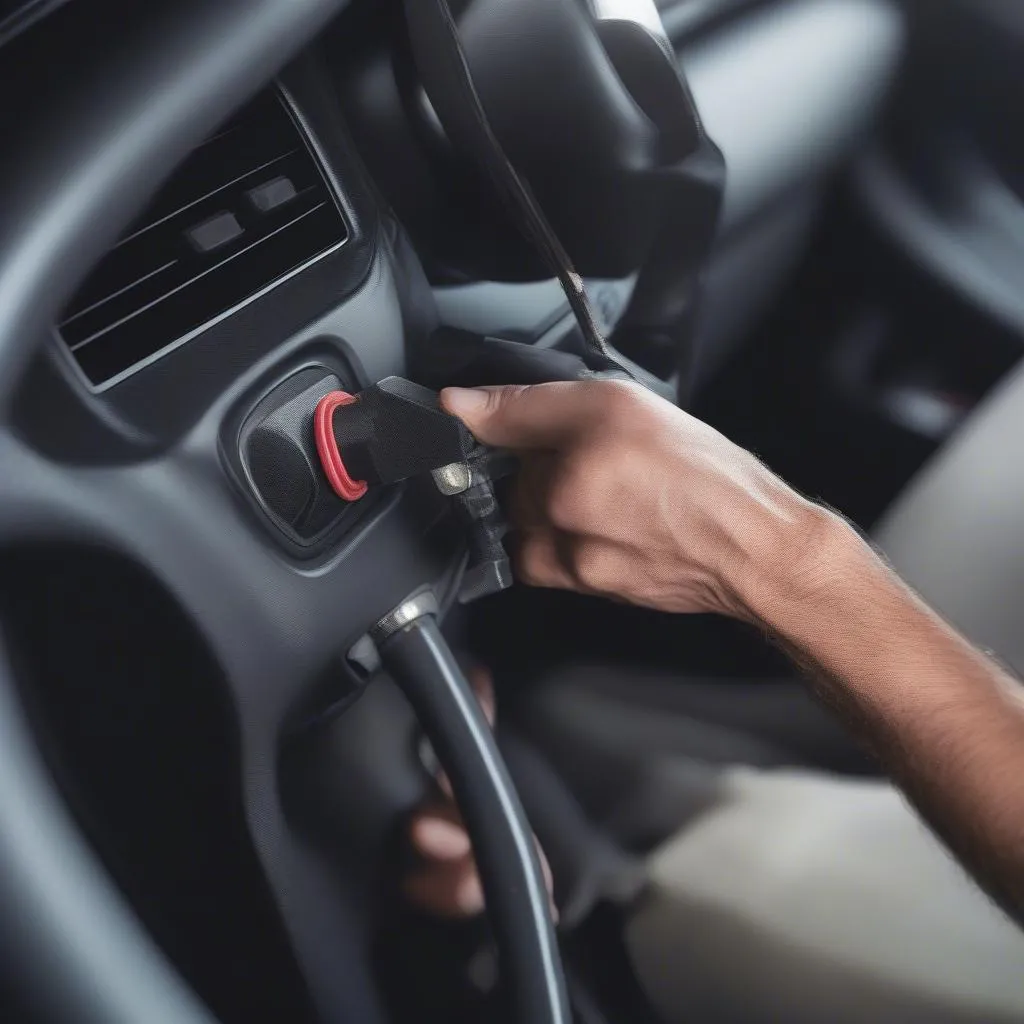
<point x="68" y="931"/>
<point x="74" y="942"/>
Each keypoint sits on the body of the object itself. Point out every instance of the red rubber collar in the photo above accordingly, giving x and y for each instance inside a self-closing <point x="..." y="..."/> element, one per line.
<point x="326" y="444"/>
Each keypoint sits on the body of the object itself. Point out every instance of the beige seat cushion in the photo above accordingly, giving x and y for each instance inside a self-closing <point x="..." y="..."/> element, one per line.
<point x="803" y="898"/>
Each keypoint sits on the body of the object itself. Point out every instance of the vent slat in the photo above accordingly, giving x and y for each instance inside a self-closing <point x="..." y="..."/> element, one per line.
<point x="182" y="210"/>
<point x="190" y="309"/>
<point x="191" y="281"/>
<point x="188" y="266"/>
<point x="164" y="280"/>
<point x="120" y="291"/>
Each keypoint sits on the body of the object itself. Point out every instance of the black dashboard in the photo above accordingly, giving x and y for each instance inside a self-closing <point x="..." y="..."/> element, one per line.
<point x="187" y="233"/>
<point x="116" y="461"/>
<point x="279" y="270"/>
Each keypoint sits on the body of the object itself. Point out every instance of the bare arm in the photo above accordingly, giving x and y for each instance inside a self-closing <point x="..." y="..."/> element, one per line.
<point x="622" y="494"/>
<point x="947" y="721"/>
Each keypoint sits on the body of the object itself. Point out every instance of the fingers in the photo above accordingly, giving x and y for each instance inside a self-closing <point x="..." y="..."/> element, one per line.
<point x="482" y="682"/>
<point x="450" y="890"/>
<point x="540" y="416"/>
<point x="549" y="881"/>
<point x="528" y="507"/>
<point x="540" y="561"/>
<point x="541" y="550"/>
<point x="437" y="833"/>
<point x="447" y="883"/>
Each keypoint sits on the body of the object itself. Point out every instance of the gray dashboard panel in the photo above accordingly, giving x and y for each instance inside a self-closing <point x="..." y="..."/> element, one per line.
<point x="972" y="240"/>
<point x="957" y="534"/>
<point x="790" y="89"/>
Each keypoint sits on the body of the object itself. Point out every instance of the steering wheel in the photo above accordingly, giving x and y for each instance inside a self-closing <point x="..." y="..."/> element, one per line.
<point x="549" y="138"/>
<point x="91" y="158"/>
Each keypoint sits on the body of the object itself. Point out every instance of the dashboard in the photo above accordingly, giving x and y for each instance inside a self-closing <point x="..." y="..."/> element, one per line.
<point x="190" y="241"/>
<point x="265" y="252"/>
<point x="167" y="318"/>
<point x="162" y="325"/>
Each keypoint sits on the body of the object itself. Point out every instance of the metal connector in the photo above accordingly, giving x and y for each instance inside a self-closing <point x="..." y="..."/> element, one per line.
<point x="413" y="608"/>
<point x="454" y="479"/>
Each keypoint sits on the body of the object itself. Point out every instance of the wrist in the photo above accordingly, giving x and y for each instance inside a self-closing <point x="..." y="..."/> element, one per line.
<point x="800" y="560"/>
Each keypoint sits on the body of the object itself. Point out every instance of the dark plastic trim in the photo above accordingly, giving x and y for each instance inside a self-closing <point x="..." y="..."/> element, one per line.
<point x="25" y="17"/>
<point x="978" y="257"/>
<point x="95" y="154"/>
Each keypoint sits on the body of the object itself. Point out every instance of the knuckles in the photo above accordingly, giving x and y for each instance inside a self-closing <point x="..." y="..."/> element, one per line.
<point x="599" y="568"/>
<point x="592" y="492"/>
<point x="620" y="397"/>
<point x="565" y="503"/>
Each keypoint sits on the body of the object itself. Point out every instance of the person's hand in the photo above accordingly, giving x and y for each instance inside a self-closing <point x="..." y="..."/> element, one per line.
<point x="446" y="882"/>
<point x="624" y="495"/>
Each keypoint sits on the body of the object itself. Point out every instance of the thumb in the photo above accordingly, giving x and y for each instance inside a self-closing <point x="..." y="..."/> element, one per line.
<point x="521" y="417"/>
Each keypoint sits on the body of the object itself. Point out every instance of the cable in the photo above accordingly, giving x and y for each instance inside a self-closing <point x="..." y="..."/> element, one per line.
<point x="422" y="664"/>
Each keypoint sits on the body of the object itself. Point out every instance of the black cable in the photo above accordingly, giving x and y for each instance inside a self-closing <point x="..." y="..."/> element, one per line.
<point x="422" y="664"/>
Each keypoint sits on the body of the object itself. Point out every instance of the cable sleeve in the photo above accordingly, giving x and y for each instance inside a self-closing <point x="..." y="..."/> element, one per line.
<point x="422" y="664"/>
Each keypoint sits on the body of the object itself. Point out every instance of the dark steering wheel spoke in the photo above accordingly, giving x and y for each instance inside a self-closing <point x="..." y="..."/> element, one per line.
<point x="276" y="630"/>
<point x="267" y="618"/>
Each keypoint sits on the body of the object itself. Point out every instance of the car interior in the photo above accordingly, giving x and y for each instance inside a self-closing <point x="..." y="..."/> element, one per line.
<point x="801" y="220"/>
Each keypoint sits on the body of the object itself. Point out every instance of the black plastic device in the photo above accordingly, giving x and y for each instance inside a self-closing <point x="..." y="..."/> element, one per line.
<point x="395" y="430"/>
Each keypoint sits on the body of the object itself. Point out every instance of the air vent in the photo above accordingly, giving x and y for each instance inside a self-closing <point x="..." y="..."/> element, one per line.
<point x="246" y="209"/>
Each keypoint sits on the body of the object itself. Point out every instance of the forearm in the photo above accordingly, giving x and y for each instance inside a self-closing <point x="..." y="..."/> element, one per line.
<point x="623" y="494"/>
<point x="945" y="719"/>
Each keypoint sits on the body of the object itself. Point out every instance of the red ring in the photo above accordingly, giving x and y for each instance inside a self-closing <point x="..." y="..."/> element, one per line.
<point x="327" y="446"/>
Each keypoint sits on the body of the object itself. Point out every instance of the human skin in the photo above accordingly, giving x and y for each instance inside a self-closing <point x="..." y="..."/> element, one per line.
<point x="624" y="495"/>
